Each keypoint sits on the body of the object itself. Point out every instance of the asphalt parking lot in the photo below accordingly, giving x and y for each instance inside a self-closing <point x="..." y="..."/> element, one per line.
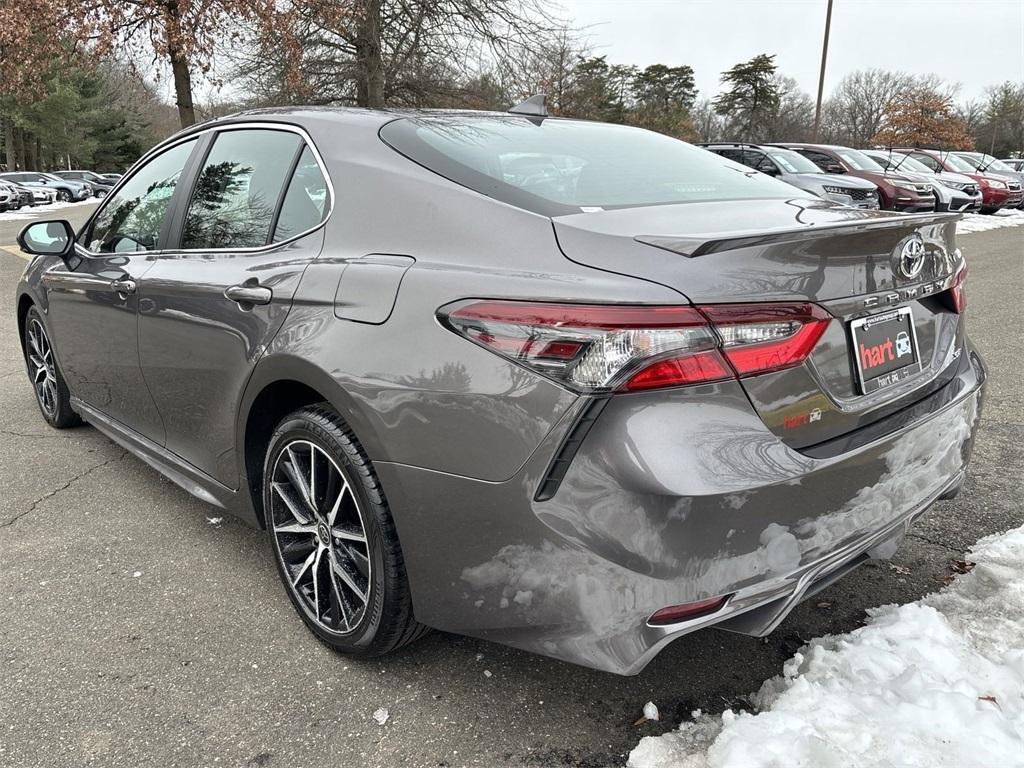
<point x="136" y="631"/>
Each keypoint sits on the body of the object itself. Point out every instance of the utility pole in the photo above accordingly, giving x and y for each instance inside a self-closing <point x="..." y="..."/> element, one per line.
<point x="821" y="76"/>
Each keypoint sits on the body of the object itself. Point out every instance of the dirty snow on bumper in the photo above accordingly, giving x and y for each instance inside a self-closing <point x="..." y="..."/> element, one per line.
<point x="935" y="682"/>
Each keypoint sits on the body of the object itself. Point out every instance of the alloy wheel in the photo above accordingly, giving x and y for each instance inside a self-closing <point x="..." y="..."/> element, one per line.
<point x="320" y="537"/>
<point x="41" y="367"/>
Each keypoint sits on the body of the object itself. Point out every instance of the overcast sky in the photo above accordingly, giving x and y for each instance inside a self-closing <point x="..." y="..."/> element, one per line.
<point x="974" y="42"/>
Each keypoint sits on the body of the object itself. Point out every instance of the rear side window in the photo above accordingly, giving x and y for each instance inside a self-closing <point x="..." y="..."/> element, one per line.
<point x="305" y="202"/>
<point x="820" y="159"/>
<point x="131" y="220"/>
<point x="238" y="189"/>
<point x="557" y="166"/>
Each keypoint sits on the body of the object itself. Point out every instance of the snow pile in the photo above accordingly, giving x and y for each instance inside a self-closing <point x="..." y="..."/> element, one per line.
<point x="939" y="682"/>
<point x="976" y="222"/>
<point x="41" y="211"/>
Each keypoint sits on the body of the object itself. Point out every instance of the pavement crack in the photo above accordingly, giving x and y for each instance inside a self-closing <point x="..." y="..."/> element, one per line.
<point x="49" y="494"/>
<point x="14" y="433"/>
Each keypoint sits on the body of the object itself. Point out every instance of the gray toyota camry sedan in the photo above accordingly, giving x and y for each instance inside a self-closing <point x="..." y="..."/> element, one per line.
<point x="574" y="387"/>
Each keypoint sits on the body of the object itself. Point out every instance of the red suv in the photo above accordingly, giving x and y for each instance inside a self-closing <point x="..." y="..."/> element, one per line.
<point x="996" y="191"/>
<point x="895" y="192"/>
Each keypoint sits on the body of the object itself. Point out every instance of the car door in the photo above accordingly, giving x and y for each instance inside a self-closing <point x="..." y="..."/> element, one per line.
<point x="92" y="308"/>
<point x="209" y="308"/>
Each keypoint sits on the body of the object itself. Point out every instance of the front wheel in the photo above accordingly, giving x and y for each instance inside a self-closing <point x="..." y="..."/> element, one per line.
<point x="334" y="540"/>
<point x="63" y="196"/>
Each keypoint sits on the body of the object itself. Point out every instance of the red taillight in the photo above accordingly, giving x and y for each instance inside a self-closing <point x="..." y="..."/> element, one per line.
<point x="957" y="290"/>
<point x="758" y="338"/>
<point x="632" y="348"/>
<point x="676" y="613"/>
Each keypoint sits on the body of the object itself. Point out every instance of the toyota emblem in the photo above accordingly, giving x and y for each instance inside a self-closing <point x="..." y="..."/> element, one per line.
<point x="911" y="259"/>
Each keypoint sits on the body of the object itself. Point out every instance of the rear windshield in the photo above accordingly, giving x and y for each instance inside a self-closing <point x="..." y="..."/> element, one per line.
<point x="557" y="166"/>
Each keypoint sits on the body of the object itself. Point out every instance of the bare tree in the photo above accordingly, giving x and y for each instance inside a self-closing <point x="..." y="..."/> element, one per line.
<point x="374" y="53"/>
<point x="793" y="117"/>
<point x="182" y="33"/>
<point x="855" y="111"/>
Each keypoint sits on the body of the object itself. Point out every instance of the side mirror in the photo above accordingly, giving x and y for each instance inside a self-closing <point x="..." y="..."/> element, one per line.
<point x="834" y="168"/>
<point x="48" y="238"/>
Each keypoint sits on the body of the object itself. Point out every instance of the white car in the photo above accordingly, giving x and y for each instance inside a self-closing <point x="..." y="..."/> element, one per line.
<point x="953" y="191"/>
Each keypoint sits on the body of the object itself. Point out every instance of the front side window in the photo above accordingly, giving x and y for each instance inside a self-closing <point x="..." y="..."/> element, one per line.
<point x="560" y="166"/>
<point x="238" y="188"/>
<point x="131" y="220"/>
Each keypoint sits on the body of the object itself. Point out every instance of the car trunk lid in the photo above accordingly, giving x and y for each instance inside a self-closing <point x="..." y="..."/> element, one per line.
<point x="845" y="260"/>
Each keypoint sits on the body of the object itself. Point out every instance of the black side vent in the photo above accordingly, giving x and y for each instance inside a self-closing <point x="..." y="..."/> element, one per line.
<point x="567" y="450"/>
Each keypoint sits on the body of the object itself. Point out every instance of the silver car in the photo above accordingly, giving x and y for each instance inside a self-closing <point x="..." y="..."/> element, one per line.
<point x="992" y="166"/>
<point x="793" y="168"/>
<point x="574" y="387"/>
<point x="953" y="191"/>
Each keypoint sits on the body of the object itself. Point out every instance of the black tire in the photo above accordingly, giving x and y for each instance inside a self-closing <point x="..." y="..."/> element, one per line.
<point x="63" y="196"/>
<point x="386" y="620"/>
<point x="51" y="391"/>
<point x="987" y="211"/>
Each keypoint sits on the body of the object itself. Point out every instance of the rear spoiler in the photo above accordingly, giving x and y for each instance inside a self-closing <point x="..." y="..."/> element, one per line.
<point x="696" y="245"/>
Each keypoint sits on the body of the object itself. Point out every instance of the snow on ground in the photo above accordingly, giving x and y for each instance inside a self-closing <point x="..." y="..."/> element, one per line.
<point x="937" y="682"/>
<point x="42" y="211"/>
<point x="976" y="222"/>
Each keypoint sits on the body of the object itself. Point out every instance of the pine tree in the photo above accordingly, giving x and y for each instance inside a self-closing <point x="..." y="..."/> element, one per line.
<point x="752" y="96"/>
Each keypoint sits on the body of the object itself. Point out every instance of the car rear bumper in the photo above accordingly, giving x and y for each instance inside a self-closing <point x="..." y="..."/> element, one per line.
<point x="671" y="498"/>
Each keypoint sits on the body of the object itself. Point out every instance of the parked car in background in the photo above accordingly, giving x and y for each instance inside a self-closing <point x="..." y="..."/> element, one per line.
<point x="32" y="196"/>
<point x="896" y="191"/>
<point x="582" y="413"/>
<point x="953" y="191"/>
<point x="793" y="168"/>
<point x="100" y="185"/>
<point x="992" y="166"/>
<point x="39" y="195"/>
<point x="112" y="176"/>
<point x="1016" y="163"/>
<point x="20" y="196"/>
<point x="996" y="191"/>
<point x="9" y="199"/>
<point x="67" y="190"/>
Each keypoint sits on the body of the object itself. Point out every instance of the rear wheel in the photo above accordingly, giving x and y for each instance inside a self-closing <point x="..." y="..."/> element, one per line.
<point x="333" y="537"/>
<point x="52" y="394"/>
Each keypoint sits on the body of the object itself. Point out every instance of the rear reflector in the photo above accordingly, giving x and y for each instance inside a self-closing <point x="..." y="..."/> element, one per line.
<point x="676" y="613"/>
<point x="631" y="348"/>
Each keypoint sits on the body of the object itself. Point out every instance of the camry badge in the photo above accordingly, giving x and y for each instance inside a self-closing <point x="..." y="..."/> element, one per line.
<point x="911" y="258"/>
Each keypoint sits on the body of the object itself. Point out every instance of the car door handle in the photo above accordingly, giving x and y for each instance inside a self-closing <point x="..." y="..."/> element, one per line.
<point x="123" y="287"/>
<point x="249" y="294"/>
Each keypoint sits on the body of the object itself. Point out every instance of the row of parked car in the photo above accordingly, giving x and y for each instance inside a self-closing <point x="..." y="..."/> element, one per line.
<point x="20" y="189"/>
<point x="901" y="179"/>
